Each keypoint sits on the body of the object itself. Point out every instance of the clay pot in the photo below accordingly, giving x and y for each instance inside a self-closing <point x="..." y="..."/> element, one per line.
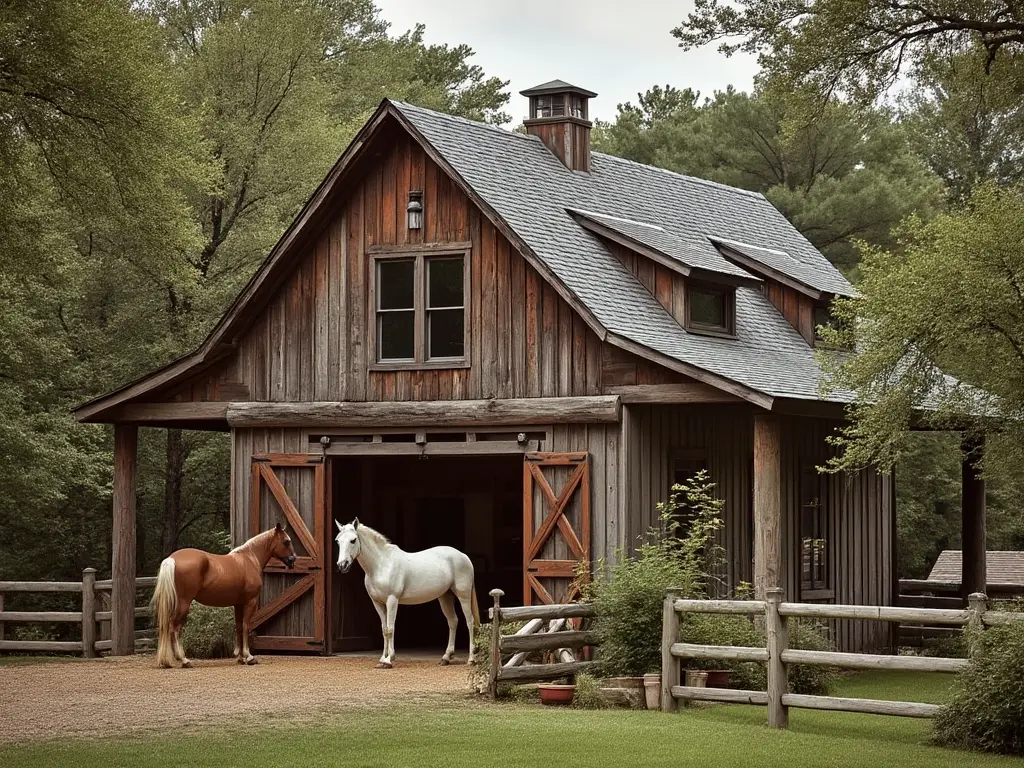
<point x="556" y="695"/>
<point x="652" y="690"/>
<point x="718" y="678"/>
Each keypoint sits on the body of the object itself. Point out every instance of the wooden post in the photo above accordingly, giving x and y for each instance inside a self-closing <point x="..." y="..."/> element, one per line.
<point x="122" y="598"/>
<point x="778" y="676"/>
<point x="973" y="566"/>
<point x="767" y="504"/>
<point x="495" y="641"/>
<point x="89" y="613"/>
<point x="1" y="611"/>
<point x="977" y="604"/>
<point x="670" y="665"/>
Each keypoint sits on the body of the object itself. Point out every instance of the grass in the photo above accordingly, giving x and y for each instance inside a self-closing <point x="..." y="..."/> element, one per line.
<point x="513" y="734"/>
<point x="41" y="658"/>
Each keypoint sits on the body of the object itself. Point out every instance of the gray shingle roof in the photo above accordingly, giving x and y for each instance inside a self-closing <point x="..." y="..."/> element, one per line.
<point x="1001" y="567"/>
<point x="528" y="187"/>
<point x="553" y="86"/>
<point x="673" y="247"/>
<point x="822" y="277"/>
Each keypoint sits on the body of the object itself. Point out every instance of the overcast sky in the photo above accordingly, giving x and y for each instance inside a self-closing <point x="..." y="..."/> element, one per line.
<point x="617" y="48"/>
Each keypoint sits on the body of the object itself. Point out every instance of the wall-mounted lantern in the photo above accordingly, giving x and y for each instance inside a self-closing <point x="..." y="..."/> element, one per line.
<point x="415" y="210"/>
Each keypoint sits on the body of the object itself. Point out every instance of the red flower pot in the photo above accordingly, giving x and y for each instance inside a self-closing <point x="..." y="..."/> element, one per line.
<point x="556" y="695"/>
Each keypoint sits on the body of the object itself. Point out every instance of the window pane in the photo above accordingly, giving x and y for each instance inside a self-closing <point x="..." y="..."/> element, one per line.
<point x="395" y="284"/>
<point x="707" y="308"/>
<point x="396" y="335"/>
<point x="445" y="282"/>
<point x="445" y="331"/>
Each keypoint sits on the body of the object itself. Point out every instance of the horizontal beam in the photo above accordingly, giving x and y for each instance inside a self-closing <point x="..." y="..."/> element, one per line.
<point x="741" y="607"/>
<point x="874" y="661"/>
<point x="864" y="706"/>
<point x="928" y="601"/>
<point x="679" y="394"/>
<point x="141" y="582"/>
<point x="557" y="611"/>
<point x="875" y="613"/>
<point x="141" y="413"/>
<point x="547" y="641"/>
<point x="953" y="587"/>
<point x="40" y="586"/>
<point x="53" y="646"/>
<point x="543" y="671"/>
<point x="471" y="448"/>
<point x="725" y="652"/>
<point x="46" y="616"/>
<point x="728" y="695"/>
<point x="139" y="613"/>
<point x="529" y="411"/>
<point x="991" y="618"/>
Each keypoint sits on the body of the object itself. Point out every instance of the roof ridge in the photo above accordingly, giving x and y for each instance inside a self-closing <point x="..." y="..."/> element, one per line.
<point x="461" y="119"/>
<point x="695" y="179"/>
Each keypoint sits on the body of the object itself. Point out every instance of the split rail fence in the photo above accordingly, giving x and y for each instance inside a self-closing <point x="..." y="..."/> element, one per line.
<point x="777" y="655"/>
<point x="94" y="614"/>
<point x="509" y="652"/>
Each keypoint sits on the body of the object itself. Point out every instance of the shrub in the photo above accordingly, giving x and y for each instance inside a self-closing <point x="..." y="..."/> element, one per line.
<point x="588" y="693"/>
<point x="723" y="629"/>
<point x="986" y="711"/>
<point x="479" y="674"/>
<point x="810" y="635"/>
<point x="209" y="633"/>
<point x="628" y="597"/>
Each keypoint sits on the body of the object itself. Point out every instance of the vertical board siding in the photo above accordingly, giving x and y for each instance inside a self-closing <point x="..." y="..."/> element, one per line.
<point x="860" y="513"/>
<point x="796" y="307"/>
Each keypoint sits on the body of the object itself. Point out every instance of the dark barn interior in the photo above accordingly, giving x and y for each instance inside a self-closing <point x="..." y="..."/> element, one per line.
<point x="472" y="503"/>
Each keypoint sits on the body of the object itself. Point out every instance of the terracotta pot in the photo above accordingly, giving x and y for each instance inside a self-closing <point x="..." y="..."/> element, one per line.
<point x="696" y="678"/>
<point x="718" y="678"/>
<point x="652" y="691"/>
<point x="556" y="695"/>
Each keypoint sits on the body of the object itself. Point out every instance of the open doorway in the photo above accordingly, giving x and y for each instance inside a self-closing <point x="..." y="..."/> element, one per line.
<point x="472" y="503"/>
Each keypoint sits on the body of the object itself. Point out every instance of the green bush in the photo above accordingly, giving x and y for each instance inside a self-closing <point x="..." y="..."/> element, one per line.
<point x="209" y="633"/>
<point x="588" y="693"/>
<point x="628" y="597"/>
<point x="479" y="674"/>
<point x="986" y="711"/>
<point x="724" y="629"/>
<point x="810" y="635"/>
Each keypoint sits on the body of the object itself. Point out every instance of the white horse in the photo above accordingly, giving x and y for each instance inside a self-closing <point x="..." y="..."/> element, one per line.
<point x="395" y="577"/>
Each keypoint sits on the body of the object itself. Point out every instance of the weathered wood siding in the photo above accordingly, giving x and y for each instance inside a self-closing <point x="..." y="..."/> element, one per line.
<point x="796" y="307"/>
<point x="668" y="287"/>
<point x="860" y="513"/>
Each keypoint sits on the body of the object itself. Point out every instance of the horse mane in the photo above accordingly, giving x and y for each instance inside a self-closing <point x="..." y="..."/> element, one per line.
<point x="379" y="538"/>
<point x="258" y="537"/>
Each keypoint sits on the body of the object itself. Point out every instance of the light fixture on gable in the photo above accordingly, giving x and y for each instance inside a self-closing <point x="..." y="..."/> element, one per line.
<point x="414" y="209"/>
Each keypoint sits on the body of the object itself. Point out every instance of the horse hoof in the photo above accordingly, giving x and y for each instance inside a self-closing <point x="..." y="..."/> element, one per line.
<point x="384" y="665"/>
<point x="444" y="663"/>
<point x="240" y="660"/>
<point x="186" y="664"/>
<point x="471" y="662"/>
<point x="251" y="660"/>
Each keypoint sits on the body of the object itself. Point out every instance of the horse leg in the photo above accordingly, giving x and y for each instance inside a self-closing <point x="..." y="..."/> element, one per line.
<point x="392" y="611"/>
<point x="250" y="609"/>
<point x="466" y="601"/>
<point x="239" y="621"/>
<point x="176" y="625"/>
<point x="382" y="612"/>
<point x="448" y="608"/>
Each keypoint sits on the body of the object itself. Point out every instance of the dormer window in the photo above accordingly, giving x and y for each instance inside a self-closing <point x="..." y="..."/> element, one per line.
<point x="711" y="310"/>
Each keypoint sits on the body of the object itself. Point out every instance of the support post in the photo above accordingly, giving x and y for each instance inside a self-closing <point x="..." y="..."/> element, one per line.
<point x="495" y="642"/>
<point x="670" y="664"/>
<point x="767" y="504"/>
<point x="973" y="567"/>
<point x="89" y="613"/>
<point x="778" y="675"/>
<point x="977" y="604"/>
<point x="122" y="599"/>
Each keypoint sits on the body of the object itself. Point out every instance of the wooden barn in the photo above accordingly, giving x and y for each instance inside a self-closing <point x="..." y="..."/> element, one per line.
<point x="514" y="345"/>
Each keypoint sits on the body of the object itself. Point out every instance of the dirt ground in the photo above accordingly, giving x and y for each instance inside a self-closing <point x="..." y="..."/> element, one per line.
<point x="123" y="695"/>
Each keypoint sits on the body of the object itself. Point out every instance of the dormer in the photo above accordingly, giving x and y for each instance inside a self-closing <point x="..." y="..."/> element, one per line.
<point x="560" y="117"/>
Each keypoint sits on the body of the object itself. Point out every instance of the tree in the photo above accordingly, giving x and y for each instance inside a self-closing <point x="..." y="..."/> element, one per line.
<point x="848" y="175"/>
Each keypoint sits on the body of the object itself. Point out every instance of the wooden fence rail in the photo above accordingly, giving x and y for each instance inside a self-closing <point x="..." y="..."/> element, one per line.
<point x="779" y="656"/>
<point x="93" y="593"/>
<point x="533" y="638"/>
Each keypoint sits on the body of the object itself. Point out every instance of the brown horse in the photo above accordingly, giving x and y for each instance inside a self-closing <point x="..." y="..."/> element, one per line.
<point x="217" y="580"/>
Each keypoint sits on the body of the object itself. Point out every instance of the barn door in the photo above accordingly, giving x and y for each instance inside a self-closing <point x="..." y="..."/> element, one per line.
<point x="292" y="614"/>
<point x="556" y="525"/>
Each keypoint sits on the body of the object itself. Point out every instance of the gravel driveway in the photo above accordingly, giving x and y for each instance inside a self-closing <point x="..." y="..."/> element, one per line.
<point x="131" y="694"/>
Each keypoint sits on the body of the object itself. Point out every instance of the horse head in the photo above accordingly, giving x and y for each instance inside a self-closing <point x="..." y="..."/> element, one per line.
<point x="348" y="544"/>
<point x="282" y="547"/>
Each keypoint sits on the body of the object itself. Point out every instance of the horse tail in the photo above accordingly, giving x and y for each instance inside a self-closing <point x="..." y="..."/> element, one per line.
<point x="476" y="609"/>
<point x="164" y="604"/>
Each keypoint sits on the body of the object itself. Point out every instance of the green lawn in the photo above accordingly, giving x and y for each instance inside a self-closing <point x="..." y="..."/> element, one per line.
<point x="511" y="735"/>
<point x="17" y="661"/>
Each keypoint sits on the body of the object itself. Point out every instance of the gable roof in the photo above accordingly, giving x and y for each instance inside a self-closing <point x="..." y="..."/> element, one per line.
<point x="529" y="195"/>
<point x="1001" y="567"/>
<point x="806" y="276"/>
<point x="530" y="189"/>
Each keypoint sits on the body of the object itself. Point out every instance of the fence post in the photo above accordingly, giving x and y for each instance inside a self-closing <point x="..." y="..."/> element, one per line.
<point x="670" y="664"/>
<point x="89" y="613"/>
<point x="495" y="642"/>
<point x="777" y="629"/>
<point x="977" y="604"/>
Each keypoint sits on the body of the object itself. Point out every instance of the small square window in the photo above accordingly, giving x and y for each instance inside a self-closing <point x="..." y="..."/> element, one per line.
<point x="710" y="309"/>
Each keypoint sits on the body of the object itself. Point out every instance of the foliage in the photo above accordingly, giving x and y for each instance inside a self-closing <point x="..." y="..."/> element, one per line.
<point x="587" y="694"/>
<point x="479" y="674"/>
<point x="951" y="305"/>
<point x="986" y="711"/>
<point x="847" y="174"/>
<point x="708" y="629"/>
<point x="810" y="635"/>
<point x="209" y="633"/>
<point x="628" y="596"/>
